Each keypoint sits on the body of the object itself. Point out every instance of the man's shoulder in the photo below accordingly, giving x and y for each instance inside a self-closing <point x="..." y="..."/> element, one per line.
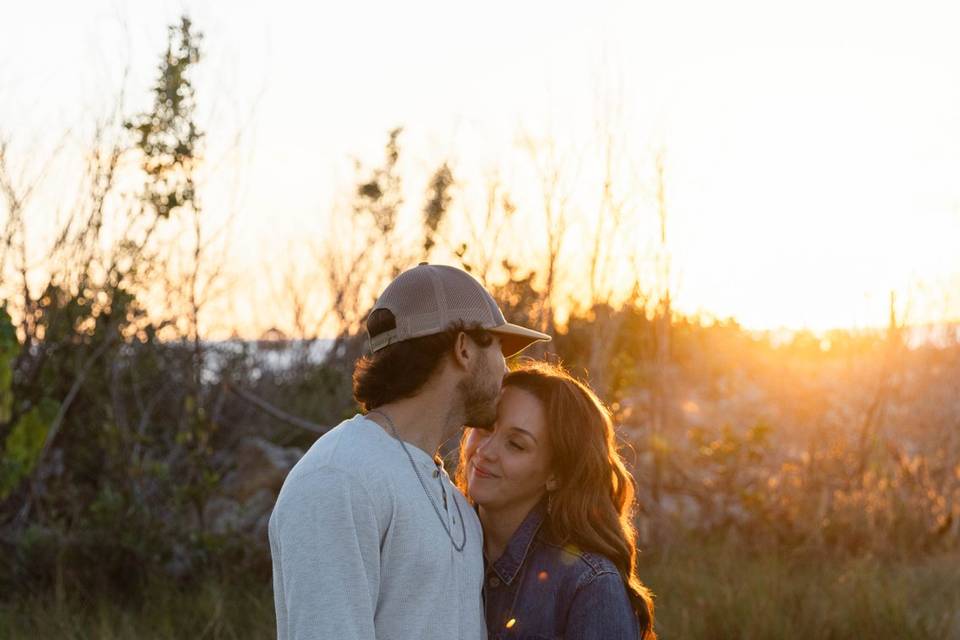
<point x="347" y="465"/>
<point x="356" y="448"/>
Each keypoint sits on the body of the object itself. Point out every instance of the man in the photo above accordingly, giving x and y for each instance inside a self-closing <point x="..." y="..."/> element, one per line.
<point x="369" y="537"/>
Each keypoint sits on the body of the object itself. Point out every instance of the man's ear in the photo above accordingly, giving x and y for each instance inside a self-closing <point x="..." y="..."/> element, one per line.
<point x="463" y="352"/>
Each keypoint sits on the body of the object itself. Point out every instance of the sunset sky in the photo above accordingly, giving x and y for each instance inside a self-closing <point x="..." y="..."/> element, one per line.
<point x="812" y="149"/>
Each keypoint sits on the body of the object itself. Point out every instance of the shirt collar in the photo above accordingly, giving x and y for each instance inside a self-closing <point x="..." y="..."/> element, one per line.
<point x="517" y="549"/>
<point x="420" y="457"/>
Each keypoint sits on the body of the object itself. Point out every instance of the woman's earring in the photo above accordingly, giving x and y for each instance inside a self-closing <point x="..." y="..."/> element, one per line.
<point x="550" y="503"/>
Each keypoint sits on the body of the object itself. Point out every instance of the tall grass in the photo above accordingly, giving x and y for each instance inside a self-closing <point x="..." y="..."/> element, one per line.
<point x="706" y="591"/>
<point x="211" y="610"/>
<point x="725" y="591"/>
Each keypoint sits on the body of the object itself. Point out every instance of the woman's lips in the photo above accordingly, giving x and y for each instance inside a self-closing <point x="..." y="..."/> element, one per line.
<point x="480" y="472"/>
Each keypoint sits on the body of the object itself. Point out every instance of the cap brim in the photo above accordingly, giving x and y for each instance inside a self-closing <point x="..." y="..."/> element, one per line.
<point x="514" y="338"/>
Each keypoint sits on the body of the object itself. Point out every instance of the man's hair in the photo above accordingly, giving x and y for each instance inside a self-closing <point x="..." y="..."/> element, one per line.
<point x="401" y="369"/>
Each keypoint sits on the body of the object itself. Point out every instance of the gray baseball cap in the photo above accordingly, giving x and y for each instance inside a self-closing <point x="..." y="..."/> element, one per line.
<point x="430" y="298"/>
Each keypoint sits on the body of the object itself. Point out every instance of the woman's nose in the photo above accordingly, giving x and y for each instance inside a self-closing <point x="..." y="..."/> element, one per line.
<point x="485" y="449"/>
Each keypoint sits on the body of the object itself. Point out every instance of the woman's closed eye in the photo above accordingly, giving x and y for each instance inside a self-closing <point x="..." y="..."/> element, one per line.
<point x="513" y="444"/>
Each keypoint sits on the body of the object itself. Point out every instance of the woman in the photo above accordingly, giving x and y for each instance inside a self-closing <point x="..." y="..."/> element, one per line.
<point x="555" y="499"/>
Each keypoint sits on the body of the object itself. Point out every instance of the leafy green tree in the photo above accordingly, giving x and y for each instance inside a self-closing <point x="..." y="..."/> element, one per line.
<point x="168" y="136"/>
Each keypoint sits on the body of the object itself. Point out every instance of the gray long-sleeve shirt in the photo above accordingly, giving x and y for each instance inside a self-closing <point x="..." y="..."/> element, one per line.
<point x="358" y="551"/>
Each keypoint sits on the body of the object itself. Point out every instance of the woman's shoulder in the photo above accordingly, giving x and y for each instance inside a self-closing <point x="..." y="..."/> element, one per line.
<point x="576" y="563"/>
<point x="591" y="599"/>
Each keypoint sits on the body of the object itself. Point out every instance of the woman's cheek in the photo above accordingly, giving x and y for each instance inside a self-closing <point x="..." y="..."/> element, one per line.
<point x="471" y="444"/>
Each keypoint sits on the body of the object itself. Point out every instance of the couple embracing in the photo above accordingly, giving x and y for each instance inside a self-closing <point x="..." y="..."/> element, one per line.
<point x="533" y="538"/>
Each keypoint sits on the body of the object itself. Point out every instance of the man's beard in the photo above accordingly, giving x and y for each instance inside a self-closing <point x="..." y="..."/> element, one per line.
<point x="480" y="392"/>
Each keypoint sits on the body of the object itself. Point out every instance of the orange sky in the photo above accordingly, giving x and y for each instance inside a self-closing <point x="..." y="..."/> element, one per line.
<point x="812" y="150"/>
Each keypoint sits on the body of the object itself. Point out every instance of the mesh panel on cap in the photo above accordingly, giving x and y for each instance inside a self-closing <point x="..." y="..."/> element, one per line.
<point x="410" y="294"/>
<point x="427" y="299"/>
<point x="465" y="298"/>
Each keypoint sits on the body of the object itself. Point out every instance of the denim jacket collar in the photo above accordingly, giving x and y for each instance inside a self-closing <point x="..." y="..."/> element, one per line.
<point x="517" y="549"/>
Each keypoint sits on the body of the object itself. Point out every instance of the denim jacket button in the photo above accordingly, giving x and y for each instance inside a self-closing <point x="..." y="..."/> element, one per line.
<point x="494" y="582"/>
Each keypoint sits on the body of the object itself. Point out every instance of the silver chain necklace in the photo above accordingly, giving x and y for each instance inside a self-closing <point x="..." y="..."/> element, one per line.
<point x="443" y="521"/>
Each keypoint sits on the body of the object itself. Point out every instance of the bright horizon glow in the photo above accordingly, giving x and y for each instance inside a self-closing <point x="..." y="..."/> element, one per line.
<point x="812" y="152"/>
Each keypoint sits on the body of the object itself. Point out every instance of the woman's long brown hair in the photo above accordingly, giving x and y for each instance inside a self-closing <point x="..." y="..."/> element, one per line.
<point x="593" y="506"/>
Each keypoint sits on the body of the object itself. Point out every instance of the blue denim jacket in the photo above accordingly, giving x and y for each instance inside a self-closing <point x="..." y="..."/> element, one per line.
<point x="539" y="590"/>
